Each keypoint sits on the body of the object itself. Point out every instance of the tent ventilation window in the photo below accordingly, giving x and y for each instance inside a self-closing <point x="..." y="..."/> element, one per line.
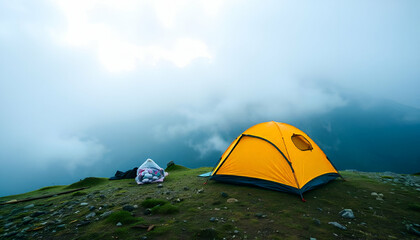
<point x="301" y="142"/>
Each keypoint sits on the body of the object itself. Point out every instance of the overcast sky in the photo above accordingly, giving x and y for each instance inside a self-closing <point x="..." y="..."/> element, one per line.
<point x="74" y="71"/>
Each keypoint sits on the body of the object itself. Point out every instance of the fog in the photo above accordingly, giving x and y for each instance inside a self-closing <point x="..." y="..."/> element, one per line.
<point x="91" y="87"/>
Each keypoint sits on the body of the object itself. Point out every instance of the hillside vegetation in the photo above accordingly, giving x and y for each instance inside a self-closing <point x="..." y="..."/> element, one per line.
<point x="384" y="205"/>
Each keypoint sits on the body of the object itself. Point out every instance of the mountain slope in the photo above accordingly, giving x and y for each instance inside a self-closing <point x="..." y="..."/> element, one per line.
<point x="184" y="208"/>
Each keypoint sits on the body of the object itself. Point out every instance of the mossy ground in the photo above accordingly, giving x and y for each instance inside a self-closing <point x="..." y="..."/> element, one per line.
<point x="258" y="214"/>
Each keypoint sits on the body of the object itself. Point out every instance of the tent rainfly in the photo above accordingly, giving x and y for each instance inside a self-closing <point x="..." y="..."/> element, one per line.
<point x="276" y="156"/>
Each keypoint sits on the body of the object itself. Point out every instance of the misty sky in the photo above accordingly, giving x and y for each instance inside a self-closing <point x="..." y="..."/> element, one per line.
<point x="89" y="87"/>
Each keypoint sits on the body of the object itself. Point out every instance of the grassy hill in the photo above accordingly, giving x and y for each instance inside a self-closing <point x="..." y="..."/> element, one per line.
<point x="185" y="208"/>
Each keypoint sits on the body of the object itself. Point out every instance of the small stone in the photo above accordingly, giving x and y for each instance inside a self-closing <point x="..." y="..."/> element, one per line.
<point x="148" y="211"/>
<point x="29" y="206"/>
<point x="160" y="185"/>
<point x="27" y="219"/>
<point x="83" y="204"/>
<point x="381" y="195"/>
<point x="312" y="238"/>
<point x="379" y="199"/>
<point x="128" y="208"/>
<point x="92" y="208"/>
<point x="260" y="215"/>
<point x="82" y="223"/>
<point x="346" y="213"/>
<point x="119" y="224"/>
<point x="200" y="190"/>
<point x="136" y="206"/>
<point x="7" y="225"/>
<point x="106" y="214"/>
<point x="232" y="200"/>
<point x="374" y="194"/>
<point x="61" y="226"/>
<point x="412" y="229"/>
<point x="90" y="215"/>
<point x="319" y="209"/>
<point x="236" y="232"/>
<point x="336" y="224"/>
<point x="213" y="219"/>
<point x="9" y="234"/>
<point x="225" y="195"/>
<point x="316" y="221"/>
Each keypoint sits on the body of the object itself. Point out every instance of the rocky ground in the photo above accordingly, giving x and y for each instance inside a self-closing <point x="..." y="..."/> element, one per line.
<point x="366" y="206"/>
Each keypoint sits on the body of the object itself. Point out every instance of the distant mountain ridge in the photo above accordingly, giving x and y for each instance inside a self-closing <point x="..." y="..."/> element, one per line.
<point x="369" y="136"/>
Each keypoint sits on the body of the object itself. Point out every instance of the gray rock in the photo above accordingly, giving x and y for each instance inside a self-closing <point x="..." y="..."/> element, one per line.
<point x="312" y="238"/>
<point x="213" y="219"/>
<point x="106" y="214"/>
<point x="119" y="224"/>
<point x="29" y="206"/>
<point x="27" y="219"/>
<point x="316" y="221"/>
<point x="160" y="185"/>
<point x="9" y="234"/>
<point x="225" y="195"/>
<point x="61" y="226"/>
<point x="128" y="208"/>
<point x="92" y="208"/>
<point x="7" y="225"/>
<point x="169" y="164"/>
<point x="260" y="215"/>
<point x="82" y="223"/>
<point x="14" y="211"/>
<point x="336" y="224"/>
<point x="236" y="232"/>
<point x="148" y="211"/>
<point x="412" y="229"/>
<point x="200" y="190"/>
<point x="90" y="215"/>
<point x="347" y="213"/>
<point x="84" y="204"/>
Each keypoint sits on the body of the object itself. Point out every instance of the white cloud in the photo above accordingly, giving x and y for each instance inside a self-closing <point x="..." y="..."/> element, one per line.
<point x="115" y="50"/>
<point x="214" y="143"/>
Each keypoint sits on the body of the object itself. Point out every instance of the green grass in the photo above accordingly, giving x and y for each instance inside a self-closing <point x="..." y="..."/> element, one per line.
<point x="414" y="207"/>
<point x="88" y="182"/>
<point x="176" y="168"/>
<point x="80" y="193"/>
<point x="166" y="208"/>
<point x="123" y="217"/>
<point x="50" y="187"/>
<point x="150" y="203"/>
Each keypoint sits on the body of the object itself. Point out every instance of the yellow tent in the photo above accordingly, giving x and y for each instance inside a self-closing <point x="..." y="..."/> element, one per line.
<point x="277" y="156"/>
